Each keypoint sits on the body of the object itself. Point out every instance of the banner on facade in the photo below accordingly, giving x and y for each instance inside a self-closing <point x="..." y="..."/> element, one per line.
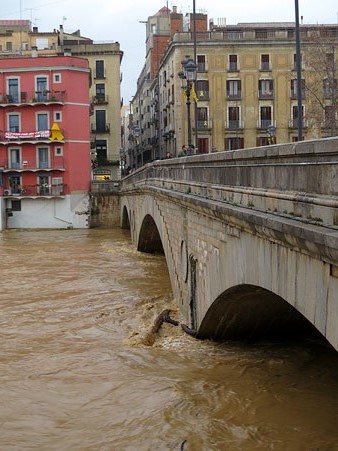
<point x="28" y="135"/>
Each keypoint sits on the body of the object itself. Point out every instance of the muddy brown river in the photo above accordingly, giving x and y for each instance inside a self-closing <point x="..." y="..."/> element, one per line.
<point x="80" y="371"/>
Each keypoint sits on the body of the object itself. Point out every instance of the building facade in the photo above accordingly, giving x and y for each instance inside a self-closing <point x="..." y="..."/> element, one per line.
<point x="18" y="37"/>
<point x="45" y="168"/>
<point x="246" y="86"/>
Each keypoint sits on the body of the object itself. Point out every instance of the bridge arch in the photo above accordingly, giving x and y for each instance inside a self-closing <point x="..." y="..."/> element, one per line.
<point x="252" y="312"/>
<point x="149" y="239"/>
<point x="125" y="222"/>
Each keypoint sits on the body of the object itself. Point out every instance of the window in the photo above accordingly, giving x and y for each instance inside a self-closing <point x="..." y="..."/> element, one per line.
<point x="202" y="89"/>
<point x="57" y="116"/>
<point x="203" y="145"/>
<point x="14" y="158"/>
<point x="13" y="89"/>
<point x="41" y="88"/>
<point x="14" y="122"/>
<point x="57" y="78"/>
<point x="295" y="117"/>
<point x="201" y="63"/>
<point x="42" y="121"/>
<point x="58" y="151"/>
<point x="233" y="89"/>
<point x="9" y="46"/>
<point x="265" y="116"/>
<point x="57" y="185"/>
<point x="233" y="117"/>
<point x="234" y="143"/>
<point x="100" y="117"/>
<point x="233" y="63"/>
<point x="100" y="92"/>
<point x="330" y="117"/>
<point x="101" y="151"/>
<point x="43" y="185"/>
<point x="330" y="87"/>
<point x="263" y="141"/>
<point x="16" y="205"/>
<point x="294" y="93"/>
<point x="15" y="184"/>
<point x="265" y="89"/>
<point x="202" y="118"/>
<point x="265" y="62"/>
<point x="99" y="69"/>
<point x="43" y="157"/>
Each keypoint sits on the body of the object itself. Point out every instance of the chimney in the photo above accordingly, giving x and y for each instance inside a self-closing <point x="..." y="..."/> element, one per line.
<point x="35" y="30"/>
<point x="61" y="35"/>
<point x="175" y="9"/>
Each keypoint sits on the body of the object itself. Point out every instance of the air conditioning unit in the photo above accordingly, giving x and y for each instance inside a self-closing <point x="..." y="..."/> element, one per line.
<point x="7" y="192"/>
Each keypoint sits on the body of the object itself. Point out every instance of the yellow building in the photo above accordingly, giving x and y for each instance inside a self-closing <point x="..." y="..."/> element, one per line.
<point x="17" y="37"/>
<point x="246" y="86"/>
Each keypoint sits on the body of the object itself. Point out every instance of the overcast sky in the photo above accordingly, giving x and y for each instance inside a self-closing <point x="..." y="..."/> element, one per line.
<point x="119" y="20"/>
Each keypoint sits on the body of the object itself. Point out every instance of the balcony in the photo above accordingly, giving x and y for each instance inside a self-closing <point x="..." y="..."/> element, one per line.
<point x="233" y="67"/>
<point x="32" y="98"/>
<point x="201" y="67"/>
<point x="234" y="124"/>
<point x="100" y="99"/>
<point x="265" y="66"/>
<point x="204" y="125"/>
<point x="293" y="123"/>
<point x="34" y="191"/>
<point x="234" y="95"/>
<point x="264" y="124"/>
<point x="294" y="94"/>
<point x="100" y="129"/>
<point x="27" y="166"/>
<point x="263" y="94"/>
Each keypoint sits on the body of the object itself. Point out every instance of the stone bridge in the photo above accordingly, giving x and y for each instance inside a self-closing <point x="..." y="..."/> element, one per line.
<point x="250" y="237"/>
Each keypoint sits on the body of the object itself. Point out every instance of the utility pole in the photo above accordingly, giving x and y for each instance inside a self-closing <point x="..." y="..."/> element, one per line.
<point x="299" y="75"/>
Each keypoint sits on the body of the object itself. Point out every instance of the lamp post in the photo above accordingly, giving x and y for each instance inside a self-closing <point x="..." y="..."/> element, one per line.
<point x="187" y="77"/>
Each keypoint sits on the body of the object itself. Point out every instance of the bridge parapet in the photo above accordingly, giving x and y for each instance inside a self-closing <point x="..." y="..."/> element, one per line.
<point x="297" y="180"/>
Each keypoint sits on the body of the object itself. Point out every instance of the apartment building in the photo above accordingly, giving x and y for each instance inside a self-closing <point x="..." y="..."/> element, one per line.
<point x="246" y="85"/>
<point x="104" y="58"/>
<point x="45" y="168"/>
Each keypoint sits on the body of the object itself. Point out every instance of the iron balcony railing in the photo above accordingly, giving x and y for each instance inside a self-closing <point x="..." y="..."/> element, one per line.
<point x="28" y="166"/>
<point x="234" y="124"/>
<point x="35" y="190"/>
<point x="32" y="97"/>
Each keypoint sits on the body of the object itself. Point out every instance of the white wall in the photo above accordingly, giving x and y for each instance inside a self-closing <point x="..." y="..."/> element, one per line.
<point x="69" y="212"/>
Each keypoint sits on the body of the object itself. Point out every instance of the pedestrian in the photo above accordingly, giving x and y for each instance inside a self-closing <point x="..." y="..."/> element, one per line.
<point x="183" y="151"/>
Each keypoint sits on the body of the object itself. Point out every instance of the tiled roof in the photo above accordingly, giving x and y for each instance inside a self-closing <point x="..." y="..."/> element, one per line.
<point x="14" y="22"/>
<point x="163" y="11"/>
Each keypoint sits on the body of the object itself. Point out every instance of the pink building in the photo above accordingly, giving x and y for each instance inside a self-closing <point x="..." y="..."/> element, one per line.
<point x="44" y="142"/>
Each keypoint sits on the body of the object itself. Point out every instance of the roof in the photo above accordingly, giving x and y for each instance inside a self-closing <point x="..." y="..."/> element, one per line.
<point x="14" y="22"/>
<point x="163" y="11"/>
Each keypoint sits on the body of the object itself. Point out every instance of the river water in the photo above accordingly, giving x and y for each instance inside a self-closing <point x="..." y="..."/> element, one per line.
<point x="80" y="371"/>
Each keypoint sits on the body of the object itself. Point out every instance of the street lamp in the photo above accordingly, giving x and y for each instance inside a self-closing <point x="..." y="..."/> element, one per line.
<point x="187" y="77"/>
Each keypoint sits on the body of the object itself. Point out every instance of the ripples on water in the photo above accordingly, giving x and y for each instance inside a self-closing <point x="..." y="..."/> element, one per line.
<point x="77" y="372"/>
